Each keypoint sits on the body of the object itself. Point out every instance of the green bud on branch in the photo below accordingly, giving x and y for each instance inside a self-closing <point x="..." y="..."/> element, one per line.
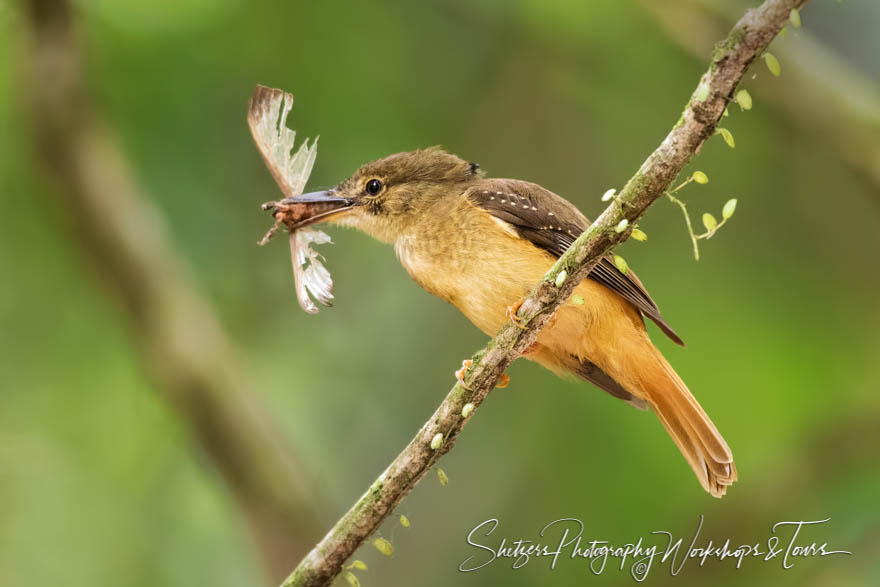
<point x="709" y="222"/>
<point x="383" y="546"/>
<point x="772" y="64"/>
<point x="727" y="136"/>
<point x="729" y="209"/>
<point x="744" y="99"/>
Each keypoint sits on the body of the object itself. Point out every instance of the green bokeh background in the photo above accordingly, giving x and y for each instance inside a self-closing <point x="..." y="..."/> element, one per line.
<point x="100" y="481"/>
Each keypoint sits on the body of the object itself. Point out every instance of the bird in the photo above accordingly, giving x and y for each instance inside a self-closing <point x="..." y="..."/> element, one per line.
<point x="482" y="243"/>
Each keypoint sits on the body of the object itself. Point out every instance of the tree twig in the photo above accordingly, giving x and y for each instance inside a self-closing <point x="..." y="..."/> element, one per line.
<point x="690" y="226"/>
<point x="822" y="93"/>
<point x="186" y="349"/>
<point x="732" y="56"/>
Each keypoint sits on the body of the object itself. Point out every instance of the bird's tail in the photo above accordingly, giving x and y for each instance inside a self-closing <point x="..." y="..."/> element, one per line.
<point x="686" y="422"/>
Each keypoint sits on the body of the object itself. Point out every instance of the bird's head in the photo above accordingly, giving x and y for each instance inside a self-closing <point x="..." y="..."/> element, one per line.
<point x="384" y="197"/>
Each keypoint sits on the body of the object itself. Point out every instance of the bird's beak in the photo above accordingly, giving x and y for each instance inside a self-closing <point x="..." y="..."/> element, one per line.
<point x="310" y="208"/>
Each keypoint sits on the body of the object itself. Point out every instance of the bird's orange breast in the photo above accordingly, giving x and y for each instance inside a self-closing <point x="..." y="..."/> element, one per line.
<point x="469" y="259"/>
<point x="478" y="263"/>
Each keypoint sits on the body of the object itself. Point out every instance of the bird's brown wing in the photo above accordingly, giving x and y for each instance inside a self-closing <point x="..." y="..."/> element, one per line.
<point x="552" y="223"/>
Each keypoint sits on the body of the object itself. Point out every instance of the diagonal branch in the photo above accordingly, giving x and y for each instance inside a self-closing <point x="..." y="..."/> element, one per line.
<point x="730" y="60"/>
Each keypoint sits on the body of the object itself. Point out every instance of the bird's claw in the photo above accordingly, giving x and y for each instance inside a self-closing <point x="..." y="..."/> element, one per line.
<point x="512" y="310"/>
<point x="503" y="382"/>
<point x="465" y="365"/>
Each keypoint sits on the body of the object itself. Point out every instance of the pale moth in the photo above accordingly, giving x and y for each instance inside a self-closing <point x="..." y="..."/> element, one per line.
<point x="267" y="118"/>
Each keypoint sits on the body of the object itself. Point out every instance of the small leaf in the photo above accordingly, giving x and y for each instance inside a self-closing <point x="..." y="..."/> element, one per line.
<point x="702" y="92"/>
<point x="727" y="136"/>
<point x="359" y="564"/>
<point x="772" y="64"/>
<point x="351" y="579"/>
<point x="404" y="521"/>
<point x="726" y="112"/>
<point x="441" y="474"/>
<point x="744" y="99"/>
<point x="794" y="17"/>
<point x="709" y="222"/>
<point x="783" y="32"/>
<point x="383" y="546"/>
<point x="621" y="264"/>
<point x="560" y="278"/>
<point x="437" y="441"/>
<point x="621" y="226"/>
<point x="700" y="177"/>
<point x="639" y="235"/>
<point x="608" y="194"/>
<point x="577" y="300"/>
<point x="729" y="209"/>
<point x="466" y="410"/>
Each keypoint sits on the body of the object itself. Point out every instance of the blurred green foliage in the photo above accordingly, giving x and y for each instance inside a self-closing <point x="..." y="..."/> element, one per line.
<point x="99" y="481"/>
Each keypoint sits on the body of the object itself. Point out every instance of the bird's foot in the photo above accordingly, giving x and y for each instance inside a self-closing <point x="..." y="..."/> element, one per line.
<point x="512" y="310"/>
<point x="532" y="349"/>
<point x="503" y="382"/>
<point x="465" y="365"/>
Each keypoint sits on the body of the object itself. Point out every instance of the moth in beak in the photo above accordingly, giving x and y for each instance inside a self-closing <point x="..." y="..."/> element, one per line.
<point x="306" y="209"/>
<point x="267" y="119"/>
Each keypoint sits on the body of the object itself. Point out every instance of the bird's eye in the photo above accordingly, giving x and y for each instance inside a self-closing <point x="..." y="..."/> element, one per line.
<point x="373" y="187"/>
